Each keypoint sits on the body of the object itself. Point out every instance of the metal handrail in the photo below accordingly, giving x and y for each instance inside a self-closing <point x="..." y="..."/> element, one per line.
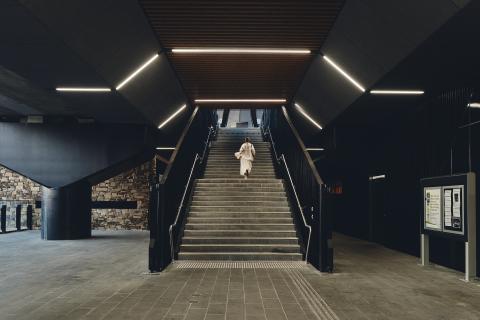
<point x="282" y="157"/>
<point x="299" y="207"/>
<point x="174" y="224"/>
<point x="179" y="211"/>
<point x="210" y="130"/>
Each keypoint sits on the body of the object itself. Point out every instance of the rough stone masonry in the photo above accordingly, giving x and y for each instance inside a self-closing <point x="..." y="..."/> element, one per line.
<point x="131" y="185"/>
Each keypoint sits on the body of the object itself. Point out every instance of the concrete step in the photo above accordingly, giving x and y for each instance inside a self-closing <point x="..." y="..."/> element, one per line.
<point x="243" y="226"/>
<point x="240" y="180"/>
<point x="245" y="203"/>
<point x="238" y="220"/>
<point x="213" y="189"/>
<point x="240" y="256"/>
<point x="239" y="209"/>
<point x="229" y="214"/>
<point x="240" y="233"/>
<point x="238" y="240"/>
<point x="237" y="174"/>
<point x="252" y="196"/>
<point x="242" y="247"/>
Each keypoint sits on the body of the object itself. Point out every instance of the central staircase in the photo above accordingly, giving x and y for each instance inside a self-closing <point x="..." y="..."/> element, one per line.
<point x="231" y="218"/>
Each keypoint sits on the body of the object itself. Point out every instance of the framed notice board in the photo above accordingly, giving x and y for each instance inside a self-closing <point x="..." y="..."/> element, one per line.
<point x="446" y="205"/>
<point x="449" y="210"/>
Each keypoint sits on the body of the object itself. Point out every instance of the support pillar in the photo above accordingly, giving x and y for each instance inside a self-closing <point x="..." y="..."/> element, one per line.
<point x="66" y="212"/>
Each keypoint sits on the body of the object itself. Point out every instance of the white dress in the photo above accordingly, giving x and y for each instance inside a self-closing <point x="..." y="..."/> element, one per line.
<point x="246" y="154"/>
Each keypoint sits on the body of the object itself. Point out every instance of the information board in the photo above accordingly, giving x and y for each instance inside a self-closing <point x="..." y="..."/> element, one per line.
<point x="444" y="208"/>
<point x="433" y="208"/>
<point x="453" y="207"/>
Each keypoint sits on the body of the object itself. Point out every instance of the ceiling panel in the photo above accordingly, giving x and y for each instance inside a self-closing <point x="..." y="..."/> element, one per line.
<point x="247" y="24"/>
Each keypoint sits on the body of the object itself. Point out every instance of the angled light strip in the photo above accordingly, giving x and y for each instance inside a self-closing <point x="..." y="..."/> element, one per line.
<point x="241" y="100"/>
<point x="300" y="109"/>
<point x="82" y="89"/>
<point x="172" y="116"/>
<point x="377" y="177"/>
<point x="315" y="149"/>
<point x="241" y="50"/>
<point x="346" y="75"/>
<point x="143" y="66"/>
<point x="474" y="105"/>
<point x="405" y="92"/>
<point x="165" y="148"/>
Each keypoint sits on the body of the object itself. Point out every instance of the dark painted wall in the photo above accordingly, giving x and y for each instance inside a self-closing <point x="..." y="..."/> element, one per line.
<point x="414" y="146"/>
<point x="56" y="155"/>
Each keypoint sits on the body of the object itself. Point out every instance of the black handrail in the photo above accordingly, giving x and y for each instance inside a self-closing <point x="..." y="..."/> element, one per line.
<point x="170" y="191"/>
<point x="187" y="188"/>
<point x="306" y="187"/>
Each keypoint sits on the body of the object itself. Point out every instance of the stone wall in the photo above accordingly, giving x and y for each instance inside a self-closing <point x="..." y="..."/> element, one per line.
<point x="132" y="185"/>
<point x="16" y="189"/>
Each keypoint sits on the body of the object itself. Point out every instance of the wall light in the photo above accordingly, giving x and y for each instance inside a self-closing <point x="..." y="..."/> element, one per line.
<point x="143" y="66"/>
<point x="172" y="116"/>
<point x="241" y="50"/>
<point x="346" y="75"/>
<point x="82" y="89"/>
<point x="315" y="149"/>
<point x="165" y="148"/>
<point x="241" y="100"/>
<point x="405" y="92"/>
<point x="474" y="105"/>
<point x="300" y="109"/>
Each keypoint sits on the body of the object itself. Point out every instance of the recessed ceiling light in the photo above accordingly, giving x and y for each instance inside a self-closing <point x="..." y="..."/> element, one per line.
<point x="165" y="148"/>
<point x="474" y="105"/>
<point x="82" y="89"/>
<point x="346" y="75"/>
<point x="300" y="109"/>
<point x="405" y="92"/>
<point x="241" y="100"/>
<point x="241" y="50"/>
<point x="172" y="116"/>
<point x="143" y="66"/>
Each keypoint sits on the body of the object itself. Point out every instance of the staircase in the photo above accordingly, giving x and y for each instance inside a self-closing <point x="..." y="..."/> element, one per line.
<point x="231" y="218"/>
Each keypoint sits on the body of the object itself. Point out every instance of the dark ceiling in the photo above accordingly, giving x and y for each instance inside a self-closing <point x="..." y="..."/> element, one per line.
<point x="301" y="24"/>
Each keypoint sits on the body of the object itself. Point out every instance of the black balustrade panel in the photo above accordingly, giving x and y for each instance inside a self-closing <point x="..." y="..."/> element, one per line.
<point x="168" y="189"/>
<point x="293" y="162"/>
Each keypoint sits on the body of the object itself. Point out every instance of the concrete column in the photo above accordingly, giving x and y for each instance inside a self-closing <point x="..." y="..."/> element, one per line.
<point x="66" y="212"/>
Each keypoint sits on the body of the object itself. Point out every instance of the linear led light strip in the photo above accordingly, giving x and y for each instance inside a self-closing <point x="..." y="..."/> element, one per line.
<point x="82" y="89"/>
<point x="343" y="73"/>
<point x="241" y="50"/>
<point x="404" y="92"/>
<point x="136" y="72"/>
<point x="315" y="149"/>
<point x="165" y="148"/>
<point x="240" y="100"/>
<point x="474" y="105"/>
<point x="172" y="116"/>
<point x="300" y="109"/>
<point x="377" y="177"/>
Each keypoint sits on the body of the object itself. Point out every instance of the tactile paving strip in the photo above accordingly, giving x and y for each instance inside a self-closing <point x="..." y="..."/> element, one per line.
<point x="239" y="264"/>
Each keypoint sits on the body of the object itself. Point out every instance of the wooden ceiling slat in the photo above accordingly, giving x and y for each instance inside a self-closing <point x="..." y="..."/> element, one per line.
<point x="300" y="24"/>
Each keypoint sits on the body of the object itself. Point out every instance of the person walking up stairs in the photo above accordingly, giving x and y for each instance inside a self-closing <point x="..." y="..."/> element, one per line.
<point x="231" y="218"/>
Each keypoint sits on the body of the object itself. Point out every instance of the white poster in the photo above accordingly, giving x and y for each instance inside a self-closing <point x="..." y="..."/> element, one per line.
<point x="457" y="202"/>
<point x="447" y="207"/>
<point x="432" y="207"/>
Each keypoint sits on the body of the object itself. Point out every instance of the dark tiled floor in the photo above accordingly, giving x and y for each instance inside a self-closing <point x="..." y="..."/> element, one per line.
<point x="103" y="278"/>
